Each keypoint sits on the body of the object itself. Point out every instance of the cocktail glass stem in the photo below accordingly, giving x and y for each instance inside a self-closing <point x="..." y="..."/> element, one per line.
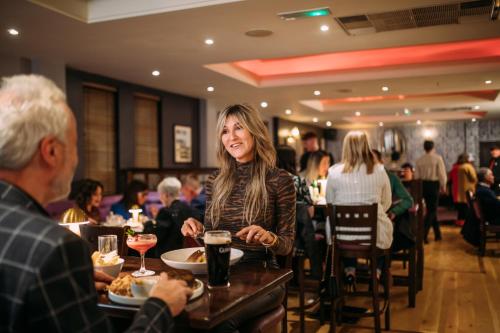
<point x="143" y="267"/>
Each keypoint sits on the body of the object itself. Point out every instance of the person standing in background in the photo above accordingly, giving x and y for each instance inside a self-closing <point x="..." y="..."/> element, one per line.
<point x="495" y="167"/>
<point x="431" y="170"/>
<point x="311" y="145"/>
<point x="466" y="181"/>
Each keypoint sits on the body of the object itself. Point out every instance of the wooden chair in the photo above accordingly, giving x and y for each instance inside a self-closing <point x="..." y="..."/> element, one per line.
<point x="91" y="233"/>
<point x="410" y="256"/>
<point x="354" y="230"/>
<point x="486" y="231"/>
<point x="415" y="189"/>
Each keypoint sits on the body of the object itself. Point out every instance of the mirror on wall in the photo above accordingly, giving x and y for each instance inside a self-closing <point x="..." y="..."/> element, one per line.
<point x="393" y="143"/>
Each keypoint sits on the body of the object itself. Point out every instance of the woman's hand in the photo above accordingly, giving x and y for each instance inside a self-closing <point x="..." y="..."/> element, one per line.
<point x="192" y="227"/>
<point x="255" y="234"/>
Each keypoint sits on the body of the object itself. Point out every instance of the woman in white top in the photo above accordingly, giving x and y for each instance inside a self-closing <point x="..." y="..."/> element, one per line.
<point x="359" y="180"/>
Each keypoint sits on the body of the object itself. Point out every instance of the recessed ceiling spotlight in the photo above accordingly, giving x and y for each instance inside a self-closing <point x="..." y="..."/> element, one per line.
<point x="13" y="32"/>
<point x="328" y="123"/>
<point x="288" y="111"/>
<point x="209" y="41"/>
<point x="488" y="82"/>
<point x="385" y="88"/>
<point x="317" y="92"/>
<point x="474" y="120"/>
<point x="381" y="124"/>
<point x="264" y="104"/>
<point x="357" y="113"/>
<point x="324" y="27"/>
<point x="476" y="107"/>
<point x="407" y="111"/>
<point x="155" y="73"/>
<point x="315" y="120"/>
<point x="419" y="122"/>
<point x="210" y="89"/>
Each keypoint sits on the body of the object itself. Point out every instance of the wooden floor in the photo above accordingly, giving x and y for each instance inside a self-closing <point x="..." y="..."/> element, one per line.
<point x="461" y="293"/>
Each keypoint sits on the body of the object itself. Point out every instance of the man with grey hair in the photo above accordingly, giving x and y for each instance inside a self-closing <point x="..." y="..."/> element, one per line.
<point x="489" y="203"/>
<point x="46" y="275"/>
<point x="170" y="218"/>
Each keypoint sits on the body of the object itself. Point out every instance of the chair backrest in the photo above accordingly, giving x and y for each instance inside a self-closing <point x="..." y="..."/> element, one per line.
<point x="415" y="189"/>
<point x="354" y="227"/>
<point x="91" y="233"/>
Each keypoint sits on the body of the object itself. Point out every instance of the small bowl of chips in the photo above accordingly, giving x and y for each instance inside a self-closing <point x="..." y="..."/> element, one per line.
<point x="110" y="264"/>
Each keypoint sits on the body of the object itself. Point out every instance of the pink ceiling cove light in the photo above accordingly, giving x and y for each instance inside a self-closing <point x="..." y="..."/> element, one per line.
<point x="485" y="49"/>
<point x="489" y="95"/>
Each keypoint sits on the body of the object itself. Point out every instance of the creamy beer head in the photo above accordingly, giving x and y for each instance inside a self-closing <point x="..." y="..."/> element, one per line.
<point x="217" y="238"/>
<point x="218" y="252"/>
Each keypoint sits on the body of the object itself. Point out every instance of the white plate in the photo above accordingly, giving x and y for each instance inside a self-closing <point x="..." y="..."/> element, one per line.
<point x="177" y="259"/>
<point x="138" y="301"/>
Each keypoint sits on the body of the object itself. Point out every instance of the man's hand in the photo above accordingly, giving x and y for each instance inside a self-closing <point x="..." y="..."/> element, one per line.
<point x="173" y="292"/>
<point x="102" y="280"/>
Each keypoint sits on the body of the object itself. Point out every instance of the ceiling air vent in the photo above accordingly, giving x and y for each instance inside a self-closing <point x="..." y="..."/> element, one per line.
<point x="454" y="13"/>
<point x="458" y="108"/>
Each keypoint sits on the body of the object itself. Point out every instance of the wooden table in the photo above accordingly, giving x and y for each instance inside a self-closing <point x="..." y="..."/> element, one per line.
<point x="214" y="306"/>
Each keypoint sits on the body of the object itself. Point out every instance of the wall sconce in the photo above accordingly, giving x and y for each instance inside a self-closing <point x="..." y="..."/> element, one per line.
<point x="428" y="133"/>
<point x="290" y="140"/>
<point x="295" y="132"/>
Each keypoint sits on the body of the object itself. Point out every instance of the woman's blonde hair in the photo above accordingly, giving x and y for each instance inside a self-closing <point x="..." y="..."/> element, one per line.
<point x="312" y="170"/>
<point x="256" y="196"/>
<point x="356" y="151"/>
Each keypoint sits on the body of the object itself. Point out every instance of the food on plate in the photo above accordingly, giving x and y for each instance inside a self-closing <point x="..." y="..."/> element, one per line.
<point x="197" y="256"/>
<point x="109" y="259"/>
<point x="182" y="275"/>
<point x="121" y="285"/>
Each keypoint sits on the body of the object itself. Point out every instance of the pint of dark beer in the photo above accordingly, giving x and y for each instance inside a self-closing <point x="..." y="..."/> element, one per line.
<point x="218" y="252"/>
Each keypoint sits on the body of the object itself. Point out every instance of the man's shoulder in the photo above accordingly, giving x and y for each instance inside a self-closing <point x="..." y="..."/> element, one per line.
<point x="483" y="190"/>
<point x="27" y="240"/>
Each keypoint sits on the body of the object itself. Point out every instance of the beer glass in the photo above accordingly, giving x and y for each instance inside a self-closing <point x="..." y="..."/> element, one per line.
<point x="218" y="252"/>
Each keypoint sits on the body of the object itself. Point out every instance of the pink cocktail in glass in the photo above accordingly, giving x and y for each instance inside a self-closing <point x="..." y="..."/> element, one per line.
<point x="142" y="243"/>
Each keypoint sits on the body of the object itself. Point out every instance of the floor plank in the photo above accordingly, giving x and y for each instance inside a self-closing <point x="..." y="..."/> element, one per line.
<point x="461" y="293"/>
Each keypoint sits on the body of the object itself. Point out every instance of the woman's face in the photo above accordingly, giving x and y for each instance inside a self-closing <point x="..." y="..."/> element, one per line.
<point x="96" y="198"/>
<point x="141" y="197"/>
<point x="237" y="140"/>
<point x="324" y="164"/>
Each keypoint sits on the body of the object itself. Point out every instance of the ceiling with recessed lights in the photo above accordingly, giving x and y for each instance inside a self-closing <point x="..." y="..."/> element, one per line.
<point x="323" y="68"/>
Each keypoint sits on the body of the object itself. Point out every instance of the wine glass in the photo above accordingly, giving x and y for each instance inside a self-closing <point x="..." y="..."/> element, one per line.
<point x="142" y="243"/>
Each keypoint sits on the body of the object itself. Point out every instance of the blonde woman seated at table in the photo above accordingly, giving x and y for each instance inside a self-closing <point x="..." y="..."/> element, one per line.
<point x="317" y="169"/>
<point x="251" y="198"/>
<point x="359" y="180"/>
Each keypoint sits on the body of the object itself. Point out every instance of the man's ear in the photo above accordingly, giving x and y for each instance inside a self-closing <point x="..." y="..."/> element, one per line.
<point x="49" y="150"/>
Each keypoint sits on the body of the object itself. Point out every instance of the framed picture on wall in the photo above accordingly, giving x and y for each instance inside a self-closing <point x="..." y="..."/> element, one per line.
<point x="183" y="147"/>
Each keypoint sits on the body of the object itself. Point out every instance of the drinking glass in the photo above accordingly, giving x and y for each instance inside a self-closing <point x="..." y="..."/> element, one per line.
<point x="142" y="243"/>
<point x="107" y="244"/>
<point x="218" y="252"/>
